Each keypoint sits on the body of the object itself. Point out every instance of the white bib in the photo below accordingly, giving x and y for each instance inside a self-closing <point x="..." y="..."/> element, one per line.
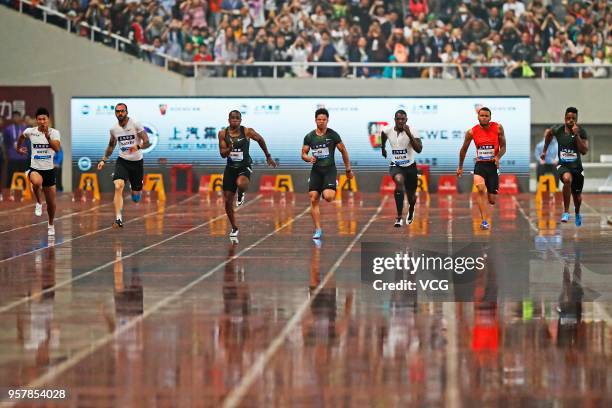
<point x="321" y="153"/>
<point x="568" y="156"/>
<point x="236" y="155"/>
<point x="485" y="153"/>
<point x="400" y="157"/>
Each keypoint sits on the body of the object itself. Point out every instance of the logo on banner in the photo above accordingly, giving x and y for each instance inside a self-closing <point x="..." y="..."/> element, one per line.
<point x="153" y="137"/>
<point x="105" y="110"/>
<point x="84" y="163"/>
<point x="85" y="109"/>
<point x="425" y="108"/>
<point x="374" y="129"/>
<point x="267" y="109"/>
<point x="163" y="107"/>
<point x="244" y="109"/>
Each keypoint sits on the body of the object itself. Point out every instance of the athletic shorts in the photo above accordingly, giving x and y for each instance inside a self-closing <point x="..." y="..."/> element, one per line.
<point x="411" y="177"/>
<point x="489" y="172"/>
<point x="577" y="177"/>
<point x="48" y="176"/>
<point x="132" y="171"/>
<point x="322" y="178"/>
<point x="231" y="174"/>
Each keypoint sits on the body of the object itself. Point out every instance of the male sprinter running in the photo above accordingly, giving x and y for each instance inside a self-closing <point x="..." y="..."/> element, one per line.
<point x="322" y="143"/>
<point x="572" y="141"/>
<point x="404" y="141"/>
<point x="132" y="138"/>
<point x="490" y="144"/>
<point x="45" y="143"/>
<point x="234" y="143"/>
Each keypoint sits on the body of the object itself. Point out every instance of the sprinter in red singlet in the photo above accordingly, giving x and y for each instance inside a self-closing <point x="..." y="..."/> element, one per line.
<point x="490" y="144"/>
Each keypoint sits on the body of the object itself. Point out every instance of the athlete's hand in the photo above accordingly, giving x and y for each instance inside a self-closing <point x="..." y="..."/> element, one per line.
<point x="384" y="152"/>
<point x="100" y="165"/>
<point x="22" y="150"/>
<point x="271" y="162"/>
<point x="543" y="157"/>
<point x="575" y="129"/>
<point x="349" y="173"/>
<point x="312" y="159"/>
<point x="497" y="162"/>
<point x="133" y="149"/>
<point x="459" y="171"/>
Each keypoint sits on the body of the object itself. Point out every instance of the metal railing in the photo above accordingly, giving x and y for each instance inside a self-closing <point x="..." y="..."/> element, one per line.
<point x="272" y="69"/>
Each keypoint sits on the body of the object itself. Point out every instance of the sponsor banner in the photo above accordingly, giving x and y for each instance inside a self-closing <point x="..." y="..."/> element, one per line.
<point x="25" y="100"/>
<point x="184" y="130"/>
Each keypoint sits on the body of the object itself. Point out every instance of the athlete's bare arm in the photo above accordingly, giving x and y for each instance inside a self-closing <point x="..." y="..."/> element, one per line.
<point x="383" y="142"/>
<point x="466" y="144"/>
<point x="224" y="148"/>
<point x="145" y="139"/>
<point x="345" y="159"/>
<point x="502" y="145"/>
<point x="416" y="143"/>
<point x="548" y="135"/>
<point x="109" y="150"/>
<point x="252" y="134"/>
<point x="306" y="157"/>
<point x="582" y="144"/>
<point x="20" y="148"/>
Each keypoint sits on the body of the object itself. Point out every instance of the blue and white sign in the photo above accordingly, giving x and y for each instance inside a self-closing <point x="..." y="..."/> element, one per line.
<point x="184" y="130"/>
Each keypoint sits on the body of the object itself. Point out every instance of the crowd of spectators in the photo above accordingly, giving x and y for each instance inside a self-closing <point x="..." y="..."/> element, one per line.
<point x="510" y="34"/>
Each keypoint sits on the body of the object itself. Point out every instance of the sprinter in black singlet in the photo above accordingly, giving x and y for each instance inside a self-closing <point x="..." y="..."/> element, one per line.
<point x="234" y="143"/>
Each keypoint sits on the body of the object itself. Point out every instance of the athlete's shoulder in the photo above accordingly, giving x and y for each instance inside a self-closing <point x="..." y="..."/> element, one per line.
<point x="54" y="133"/>
<point x="387" y="129"/>
<point x="333" y="133"/>
<point x="136" y="123"/>
<point x="582" y="132"/>
<point x="556" y="129"/>
<point x="29" y="131"/>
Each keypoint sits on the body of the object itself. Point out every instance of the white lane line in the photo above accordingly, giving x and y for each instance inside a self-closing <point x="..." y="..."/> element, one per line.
<point x="237" y="394"/>
<point x="26" y="299"/>
<point x="69" y="215"/>
<point x="91" y="349"/>
<point x="95" y="232"/>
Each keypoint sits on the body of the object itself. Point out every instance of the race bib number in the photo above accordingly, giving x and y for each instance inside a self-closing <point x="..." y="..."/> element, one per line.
<point x="236" y="156"/>
<point x="485" y="153"/>
<point x="400" y="157"/>
<point x="321" y="153"/>
<point x="568" y="156"/>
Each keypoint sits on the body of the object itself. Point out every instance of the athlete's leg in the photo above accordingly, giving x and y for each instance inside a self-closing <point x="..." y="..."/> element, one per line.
<point x="50" y="199"/>
<point x="315" y="211"/>
<point x="37" y="181"/>
<point x="118" y="199"/>
<point x="229" y="207"/>
<point x="411" y="184"/>
<point x="243" y="184"/>
<point x="399" y="192"/>
<point x="136" y="176"/>
<point x="492" y="198"/>
<point x="329" y="195"/>
<point x="566" y="179"/>
<point x="479" y="182"/>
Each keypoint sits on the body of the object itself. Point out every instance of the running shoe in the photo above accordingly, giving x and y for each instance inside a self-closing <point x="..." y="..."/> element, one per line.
<point x="410" y="217"/>
<point x="51" y="230"/>
<point x="317" y="234"/>
<point x="240" y="199"/>
<point x="484" y="225"/>
<point x="398" y="222"/>
<point x="38" y="209"/>
<point x="578" y="220"/>
<point x="234" y="233"/>
<point x="565" y="217"/>
<point x="118" y="223"/>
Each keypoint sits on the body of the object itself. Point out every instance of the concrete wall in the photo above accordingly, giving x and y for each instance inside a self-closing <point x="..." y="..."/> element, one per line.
<point x="34" y="53"/>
